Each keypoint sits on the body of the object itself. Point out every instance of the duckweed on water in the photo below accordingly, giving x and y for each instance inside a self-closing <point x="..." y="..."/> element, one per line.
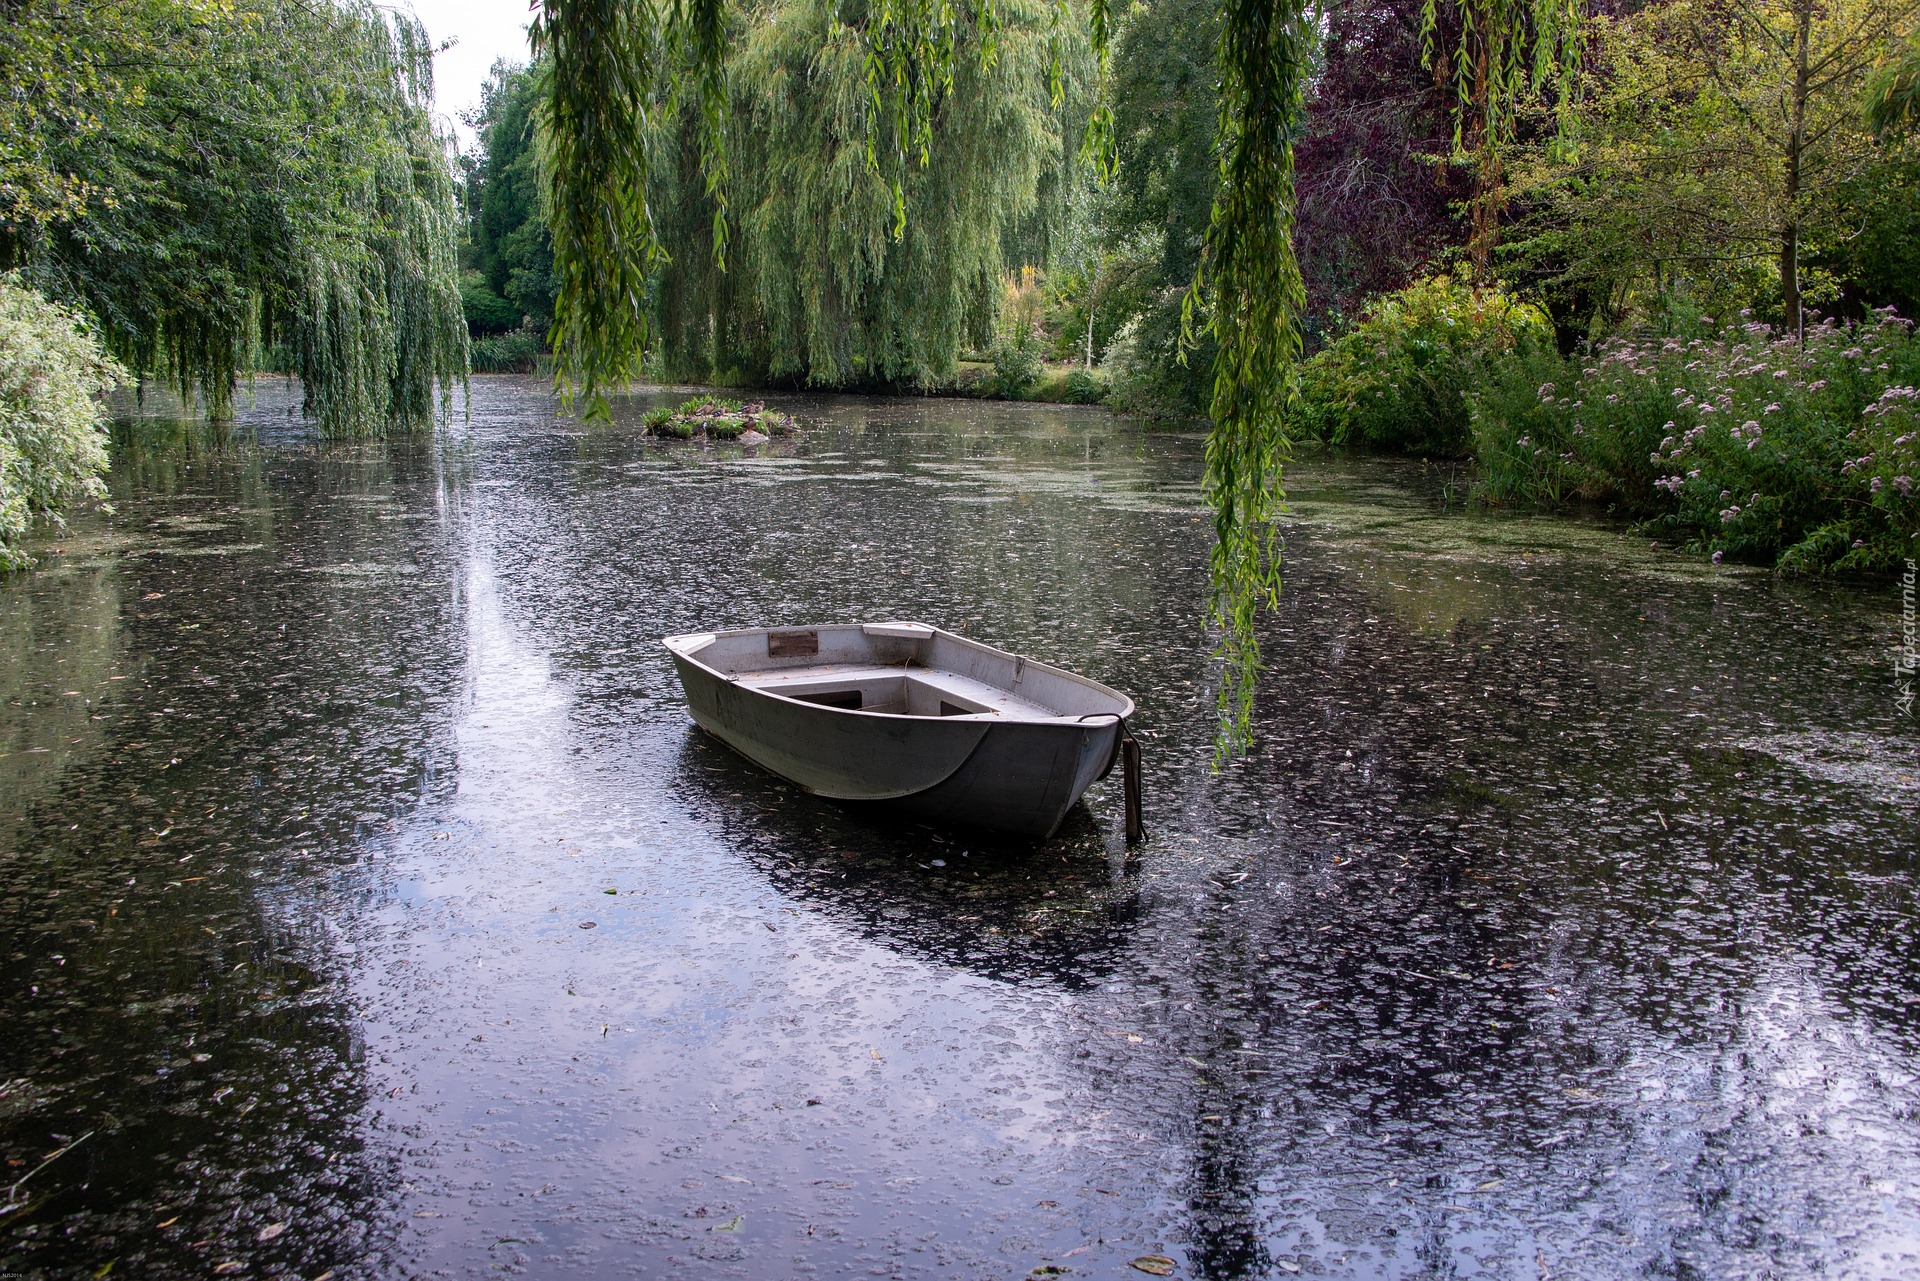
<point x="1563" y="920"/>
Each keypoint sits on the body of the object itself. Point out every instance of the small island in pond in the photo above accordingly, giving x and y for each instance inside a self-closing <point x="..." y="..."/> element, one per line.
<point x="718" y="419"/>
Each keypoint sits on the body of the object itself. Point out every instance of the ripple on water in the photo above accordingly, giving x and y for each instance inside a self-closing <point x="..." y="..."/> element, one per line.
<point x="1561" y="923"/>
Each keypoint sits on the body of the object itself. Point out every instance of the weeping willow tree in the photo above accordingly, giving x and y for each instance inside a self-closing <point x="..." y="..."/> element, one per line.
<point x="618" y="64"/>
<point x="261" y="183"/>
<point x="623" y="70"/>
<point x="850" y="259"/>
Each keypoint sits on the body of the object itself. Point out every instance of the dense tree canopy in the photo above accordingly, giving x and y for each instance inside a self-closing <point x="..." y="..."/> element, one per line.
<point x="826" y="282"/>
<point x="508" y="251"/>
<point x="1720" y="152"/>
<point x="223" y="185"/>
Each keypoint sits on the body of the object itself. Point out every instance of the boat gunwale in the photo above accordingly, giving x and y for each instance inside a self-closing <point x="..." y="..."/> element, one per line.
<point x="687" y="655"/>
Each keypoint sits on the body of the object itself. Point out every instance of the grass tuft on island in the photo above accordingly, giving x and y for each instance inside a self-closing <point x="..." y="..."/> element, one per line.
<point x="719" y="419"/>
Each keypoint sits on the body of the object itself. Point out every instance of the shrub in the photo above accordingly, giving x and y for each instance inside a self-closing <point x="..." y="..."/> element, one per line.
<point x="716" y="419"/>
<point x="1083" y="388"/>
<point x="1016" y="367"/>
<point x="486" y="312"/>
<point x="518" y="351"/>
<point x="53" y="435"/>
<point x="1522" y="432"/>
<point x="1400" y="379"/>
<point x="1742" y="443"/>
<point x="1148" y="373"/>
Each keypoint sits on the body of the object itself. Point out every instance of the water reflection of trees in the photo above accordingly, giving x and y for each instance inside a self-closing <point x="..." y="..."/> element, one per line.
<point x="173" y="990"/>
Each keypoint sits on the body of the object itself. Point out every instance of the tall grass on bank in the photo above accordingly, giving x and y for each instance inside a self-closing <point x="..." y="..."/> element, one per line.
<point x="518" y="351"/>
<point x="1744" y="444"/>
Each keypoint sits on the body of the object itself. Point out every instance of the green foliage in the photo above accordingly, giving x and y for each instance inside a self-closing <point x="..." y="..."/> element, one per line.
<point x="510" y="247"/>
<point x="1153" y="370"/>
<point x="1084" y="388"/>
<point x="53" y="435"/>
<point x="518" y="351"/>
<point x="1156" y="216"/>
<point x="1723" y="156"/>
<point x="1401" y="378"/>
<point x="859" y="99"/>
<point x="825" y="284"/>
<point x="65" y="65"/>
<point x="1166" y="61"/>
<point x="1510" y="53"/>
<point x="1249" y="291"/>
<point x="266" y="175"/>
<point x="1743" y="444"/>
<point x="716" y="419"/>
<point x="486" y="312"/>
<point x="1893" y="90"/>
<point x="1866" y="237"/>
<point x="1016" y="367"/>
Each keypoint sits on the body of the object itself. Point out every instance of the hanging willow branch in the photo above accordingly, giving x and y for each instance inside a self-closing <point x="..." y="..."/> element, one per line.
<point x="615" y="63"/>
<point x="1508" y="52"/>
<point x="1250" y="292"/>
<point x="605" y="70"/>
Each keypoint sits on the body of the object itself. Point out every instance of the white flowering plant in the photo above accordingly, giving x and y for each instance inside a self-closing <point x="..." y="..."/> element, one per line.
<point x="54" y="377"/>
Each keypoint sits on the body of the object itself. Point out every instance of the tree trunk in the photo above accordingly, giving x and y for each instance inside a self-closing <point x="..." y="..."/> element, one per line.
<point x="1796" y="147"/>
<point x="1486" y="164"/>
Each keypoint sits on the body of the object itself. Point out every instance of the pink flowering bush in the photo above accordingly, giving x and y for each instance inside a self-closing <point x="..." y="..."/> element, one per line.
<point x="1745" y="443"/>
<point x="1889" y="436"/>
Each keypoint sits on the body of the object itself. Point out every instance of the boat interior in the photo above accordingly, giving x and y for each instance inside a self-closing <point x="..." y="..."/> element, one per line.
<point x="898" y="669"/>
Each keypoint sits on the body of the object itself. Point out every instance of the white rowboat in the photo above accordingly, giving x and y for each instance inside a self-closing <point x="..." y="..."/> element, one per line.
<point x="945" y="727"/>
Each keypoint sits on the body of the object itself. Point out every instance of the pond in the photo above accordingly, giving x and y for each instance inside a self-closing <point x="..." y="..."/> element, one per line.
<point x="372" y="906"/>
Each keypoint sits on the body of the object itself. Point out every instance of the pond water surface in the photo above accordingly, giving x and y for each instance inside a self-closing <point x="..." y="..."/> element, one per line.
<point x="371" y="905"/>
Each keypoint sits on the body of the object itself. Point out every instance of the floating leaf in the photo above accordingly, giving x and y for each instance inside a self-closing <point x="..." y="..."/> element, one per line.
<point x="1158" y="1265"/>
<point x="731" y="1225"/>
<point x="271" y="1231"/>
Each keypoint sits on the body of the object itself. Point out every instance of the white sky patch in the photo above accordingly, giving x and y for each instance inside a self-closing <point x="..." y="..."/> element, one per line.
<point x="483" y="31"/>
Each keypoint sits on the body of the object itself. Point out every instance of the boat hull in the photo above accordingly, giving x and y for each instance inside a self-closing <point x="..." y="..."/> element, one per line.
<point x="1017" y="776"/>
